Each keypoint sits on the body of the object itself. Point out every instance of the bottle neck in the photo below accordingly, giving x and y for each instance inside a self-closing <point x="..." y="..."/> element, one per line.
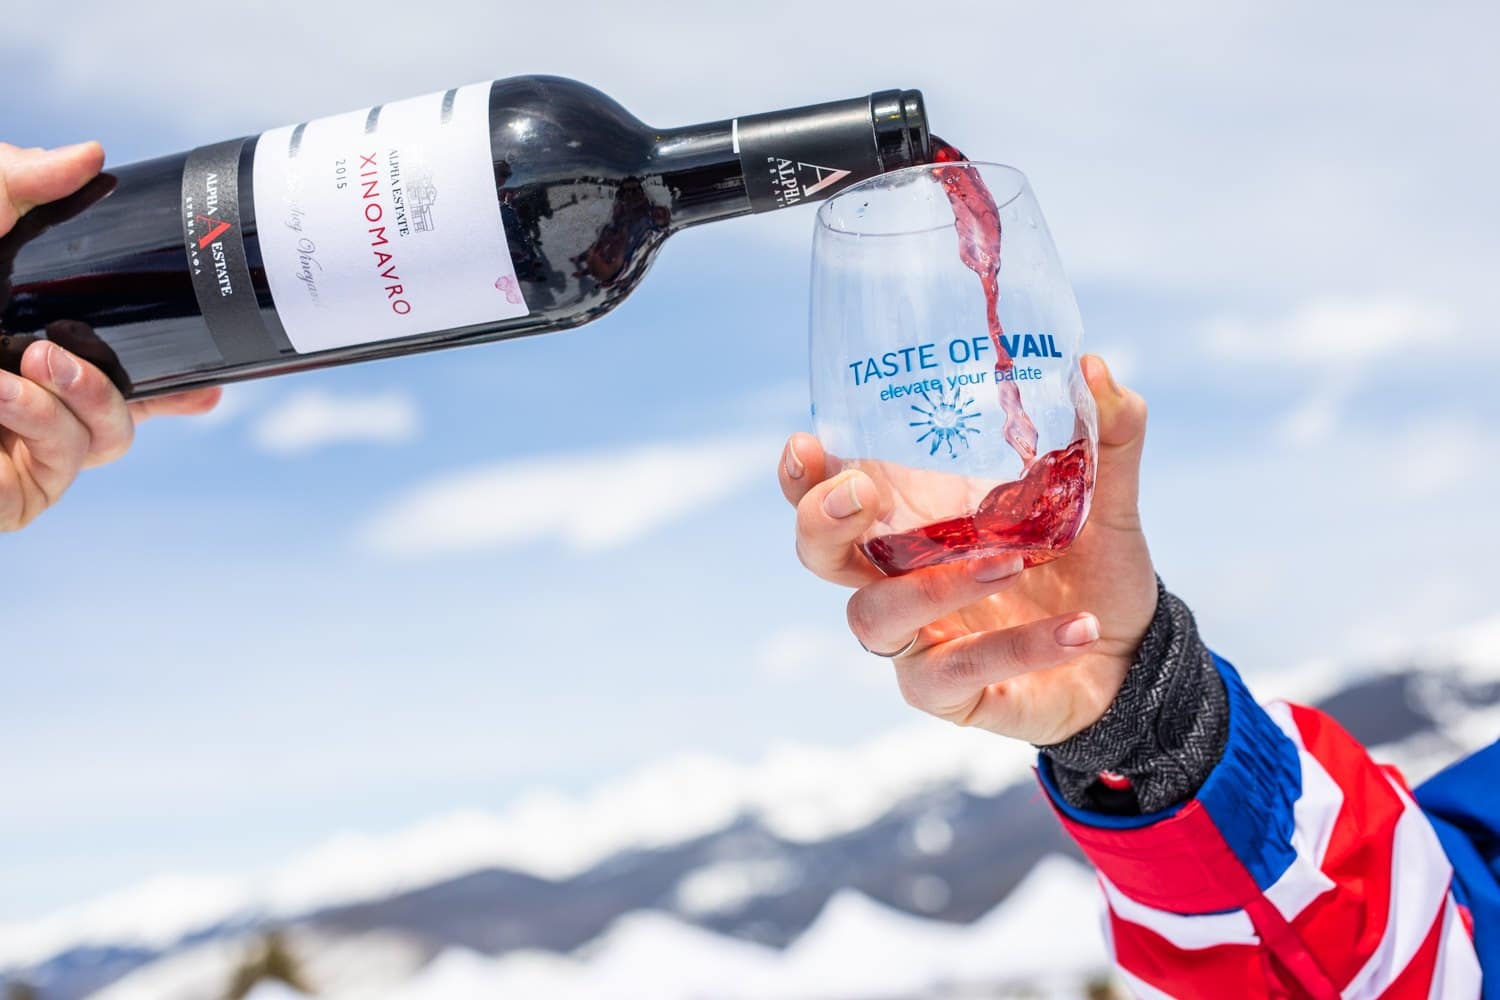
<point x="702" y="173"/>
<point x="760" y="163"/>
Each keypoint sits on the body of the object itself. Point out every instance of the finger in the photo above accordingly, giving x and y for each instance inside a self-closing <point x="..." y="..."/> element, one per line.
<point x="182" y="404"/>
<point x="17" y="504"/>
<point x="887" y="613"/>
<point x="1122" y="438"/>
<point x="53" y="442"/>
<point x="831" y="517"/>
<point x="804" y="465"/>
<point x="32" y="177"/>
<point x="958" y="680"/>
<point x="88" y="393"/>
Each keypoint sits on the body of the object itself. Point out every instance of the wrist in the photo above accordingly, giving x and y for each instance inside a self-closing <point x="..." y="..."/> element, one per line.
<point x="1162" y="733"/>
<point x="1106" y="673"/>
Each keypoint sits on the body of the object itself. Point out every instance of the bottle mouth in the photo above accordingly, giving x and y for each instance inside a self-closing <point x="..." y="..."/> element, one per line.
<point x="901" y="135"/>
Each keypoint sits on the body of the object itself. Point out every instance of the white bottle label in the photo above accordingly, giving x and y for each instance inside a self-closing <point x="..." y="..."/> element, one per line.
<point x="384" y="223"/>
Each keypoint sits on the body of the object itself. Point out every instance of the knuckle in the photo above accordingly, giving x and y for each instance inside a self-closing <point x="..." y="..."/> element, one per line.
<point x="12" y="512"/>
<point x="965" y="665"/>
<point x="112" y="442"/>
<point x="911" y="692"/>
<point x="1011" y="648"/>
<point x="806" y="516"/>
<point x="964" y="716"/>
<point x="863" y="616"/>
<point x="932" y="587"/>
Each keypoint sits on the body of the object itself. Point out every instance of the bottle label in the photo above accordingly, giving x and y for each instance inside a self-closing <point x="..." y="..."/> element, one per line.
<point x="805" y="154"/>
<point x="384" y="223"/>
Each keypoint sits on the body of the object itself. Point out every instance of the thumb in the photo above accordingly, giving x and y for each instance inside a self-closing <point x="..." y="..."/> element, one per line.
<point x="32" y="177"/>
<point x="1122" y="437"/>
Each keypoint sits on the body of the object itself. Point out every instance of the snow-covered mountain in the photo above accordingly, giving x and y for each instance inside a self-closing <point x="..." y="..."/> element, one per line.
<point x="921" y="863"/>
<point x="856" y="948"/>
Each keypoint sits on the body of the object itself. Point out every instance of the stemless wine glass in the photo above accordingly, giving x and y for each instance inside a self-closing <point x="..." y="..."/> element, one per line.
<point x="957" y="389"/>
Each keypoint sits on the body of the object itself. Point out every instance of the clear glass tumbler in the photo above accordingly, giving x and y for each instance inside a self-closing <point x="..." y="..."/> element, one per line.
<point x="945" y="341"/>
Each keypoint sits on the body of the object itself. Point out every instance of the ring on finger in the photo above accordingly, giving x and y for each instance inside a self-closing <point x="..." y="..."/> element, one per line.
<point x="900" y="652"/>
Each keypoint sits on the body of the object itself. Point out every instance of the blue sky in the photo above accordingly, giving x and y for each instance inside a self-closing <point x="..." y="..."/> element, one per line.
<point x="230" y="645"/>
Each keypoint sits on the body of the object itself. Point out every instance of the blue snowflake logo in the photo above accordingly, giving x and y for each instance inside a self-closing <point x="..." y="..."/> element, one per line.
<point x="946" y="421"/>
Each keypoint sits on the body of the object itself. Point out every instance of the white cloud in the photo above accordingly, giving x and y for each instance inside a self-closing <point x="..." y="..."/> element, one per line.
<point x="590" y="501"/>
<point x="1332" y="331"/>
<point x="314" y="419"/>
<point x="797" y="653"/>
<point x="1434" y="456"/>
<point x="1333" y="342"/>
<point x="235" y="403"/>
<point x="1314" y="420"/>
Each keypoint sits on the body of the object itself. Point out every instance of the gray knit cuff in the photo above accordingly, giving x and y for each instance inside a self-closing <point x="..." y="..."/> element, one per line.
<point x="1165" y="730"/>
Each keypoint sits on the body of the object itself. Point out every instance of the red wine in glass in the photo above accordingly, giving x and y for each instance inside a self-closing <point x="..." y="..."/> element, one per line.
<point x="1040" y="513"/>
<point x="1037" y="515"/>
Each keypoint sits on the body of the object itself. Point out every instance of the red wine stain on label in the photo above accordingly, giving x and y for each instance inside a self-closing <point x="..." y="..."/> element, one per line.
<point x="506" y="284"/>
<point x="1040" y="513"/>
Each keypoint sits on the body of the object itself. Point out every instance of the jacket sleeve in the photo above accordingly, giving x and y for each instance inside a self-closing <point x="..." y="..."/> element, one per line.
<point x="1463" y="805"/>
<point x="1295" y="866"/>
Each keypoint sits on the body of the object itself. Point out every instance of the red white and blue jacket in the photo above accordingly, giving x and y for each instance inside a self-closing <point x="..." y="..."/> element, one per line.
<point x="1302" y="868"/>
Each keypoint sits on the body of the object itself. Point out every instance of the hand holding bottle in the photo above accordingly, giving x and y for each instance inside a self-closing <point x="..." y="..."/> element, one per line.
<point x="1035" y="655"/>
<point x="61" y="414"/>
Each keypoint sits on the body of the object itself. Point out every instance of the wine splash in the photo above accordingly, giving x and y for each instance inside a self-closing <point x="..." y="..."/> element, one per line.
<point x="1037" y="514"/>
<point x="1040" y="513"/>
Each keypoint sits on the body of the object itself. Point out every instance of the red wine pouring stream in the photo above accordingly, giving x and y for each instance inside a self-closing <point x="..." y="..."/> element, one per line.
<point x="977" y="219"/>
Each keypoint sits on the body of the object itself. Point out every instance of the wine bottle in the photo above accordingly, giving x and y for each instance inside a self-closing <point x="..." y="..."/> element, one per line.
<point x="490" y="211"/>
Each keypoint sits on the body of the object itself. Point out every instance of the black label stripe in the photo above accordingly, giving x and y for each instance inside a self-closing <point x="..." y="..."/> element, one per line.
<point x="806" y="154"/>
<point x="294" y="145"/>
<point x="214" y="242"/>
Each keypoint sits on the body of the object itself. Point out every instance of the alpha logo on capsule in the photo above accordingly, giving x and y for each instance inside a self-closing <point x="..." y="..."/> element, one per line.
<point x="202" y="210"/>
<point x="218" y="228"/>
<point x="790" y="180"/>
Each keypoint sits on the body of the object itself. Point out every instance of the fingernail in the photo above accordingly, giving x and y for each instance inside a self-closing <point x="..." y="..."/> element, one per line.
<point x="1109" y="376"/>
<point x="1079" y="632"/>
<point x="62" y="367"/>
<point x="995" y="568"/>
<point x="842" y="501"/>
<point x="10" y="387"/>
<point x="794" y="467"/>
